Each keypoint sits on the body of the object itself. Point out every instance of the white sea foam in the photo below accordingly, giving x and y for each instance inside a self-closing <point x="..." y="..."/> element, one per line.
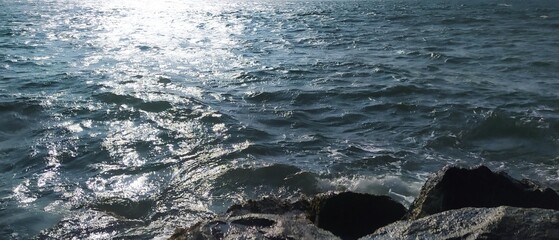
<point x="394" y="186"/>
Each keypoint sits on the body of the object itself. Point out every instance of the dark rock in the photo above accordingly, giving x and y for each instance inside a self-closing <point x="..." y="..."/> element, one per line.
<point x="255" y="222"/>
<point x="255" y="226"/>
<point x="477" y="223"/>
<point x="347" y="215"/>
<point x="467" y="203"/>
<point x="454" y="188"/>
<point x="353" y="215"/>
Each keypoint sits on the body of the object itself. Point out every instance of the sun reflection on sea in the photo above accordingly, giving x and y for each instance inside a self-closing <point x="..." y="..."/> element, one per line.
<point x="167" y="36"/>
<point x="151" y="64"/>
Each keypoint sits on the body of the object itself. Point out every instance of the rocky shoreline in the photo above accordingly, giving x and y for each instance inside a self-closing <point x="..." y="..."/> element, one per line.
<point x="455" y="203"/>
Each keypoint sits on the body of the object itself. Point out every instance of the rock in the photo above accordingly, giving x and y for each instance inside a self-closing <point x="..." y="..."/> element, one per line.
<point x="347" y="215"/>
<point x="477" y="223"/>
<point x="454" y="188"/>
<point x="255" y="226"/>
<point x="467" y="203"/>
<point x="353" y="215"/>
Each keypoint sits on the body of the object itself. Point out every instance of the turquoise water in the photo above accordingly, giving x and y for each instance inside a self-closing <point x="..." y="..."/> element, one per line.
<point x="127" y="119"/>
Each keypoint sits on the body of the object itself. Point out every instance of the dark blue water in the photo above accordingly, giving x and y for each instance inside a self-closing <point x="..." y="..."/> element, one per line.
<point x="127" y="119"/>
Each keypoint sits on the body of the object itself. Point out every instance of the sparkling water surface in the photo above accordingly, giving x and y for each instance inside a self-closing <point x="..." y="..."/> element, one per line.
<point x="127" y="119"/>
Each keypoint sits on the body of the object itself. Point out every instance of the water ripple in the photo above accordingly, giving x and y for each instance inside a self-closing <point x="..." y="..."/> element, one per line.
<point x="127" y="119"/>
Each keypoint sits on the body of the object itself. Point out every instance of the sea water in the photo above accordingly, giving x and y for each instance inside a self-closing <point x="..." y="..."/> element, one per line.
<point x="127" y="119"/>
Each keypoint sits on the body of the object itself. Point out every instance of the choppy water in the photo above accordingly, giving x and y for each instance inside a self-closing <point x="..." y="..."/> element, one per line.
<point x="126" y="119"/>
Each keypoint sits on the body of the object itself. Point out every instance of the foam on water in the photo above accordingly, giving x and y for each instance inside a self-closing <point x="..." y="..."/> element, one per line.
<point x="400" y="189"/>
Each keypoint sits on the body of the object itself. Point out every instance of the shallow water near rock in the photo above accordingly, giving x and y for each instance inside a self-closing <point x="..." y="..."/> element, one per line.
<point x="176" y="109"/>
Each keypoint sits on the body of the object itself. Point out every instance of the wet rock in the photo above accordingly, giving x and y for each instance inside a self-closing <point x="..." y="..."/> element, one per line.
<point x="454" y="188"/>
<point x="347" y="215"/>
<point x="352" y="215"/>
<point x="255" y="226"/>
<point x="455" y="203"/>
<point x="477" y="223"/>
<point x="328" y="216"/>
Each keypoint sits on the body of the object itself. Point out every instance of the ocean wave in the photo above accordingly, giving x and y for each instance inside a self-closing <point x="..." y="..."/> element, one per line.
<point x="99" y="225"/>
<point x="150" y="106"/>
<point x="500" y="136"/>
<point x="265" y="180"/>
<point x="464" y="20"/>
<point x="138" y="122"/>
<point x="395" y="186"/>
<point x="343" y="119"/>
<point x="499" y="124"/>
<point x="20" y="116"/>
